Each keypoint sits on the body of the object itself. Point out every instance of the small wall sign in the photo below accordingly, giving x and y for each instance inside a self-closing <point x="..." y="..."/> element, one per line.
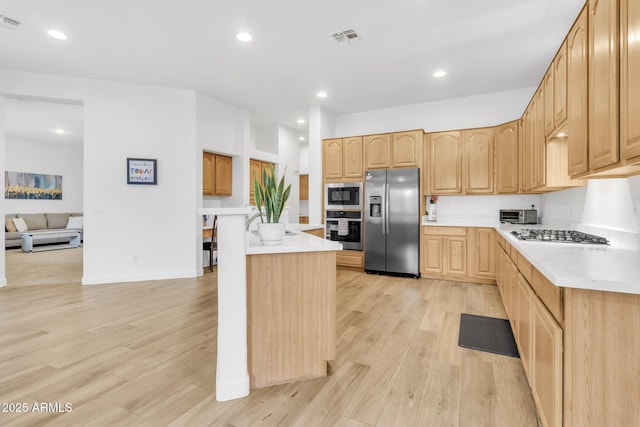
<point x="142" y="171"/>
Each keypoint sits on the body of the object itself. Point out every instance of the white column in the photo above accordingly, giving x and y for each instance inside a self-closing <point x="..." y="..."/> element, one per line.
<point x="321" y="126"/>
<point x="232" y="375"/>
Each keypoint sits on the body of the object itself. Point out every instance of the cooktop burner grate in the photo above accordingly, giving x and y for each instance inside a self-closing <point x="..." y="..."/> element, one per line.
<point x="559" y="236"/>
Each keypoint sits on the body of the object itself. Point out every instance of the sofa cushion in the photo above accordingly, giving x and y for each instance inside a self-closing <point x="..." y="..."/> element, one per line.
<point x="35" y="221"/>
<point x="20" y="224"/>
<point x="12" y="235"/>
<point x="9" y="225"/>
<point x="57" y="220"/>
<point x="76" y="222"/>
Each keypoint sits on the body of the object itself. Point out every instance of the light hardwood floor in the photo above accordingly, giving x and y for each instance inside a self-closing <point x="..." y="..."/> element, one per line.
<point x="144" y="354"/>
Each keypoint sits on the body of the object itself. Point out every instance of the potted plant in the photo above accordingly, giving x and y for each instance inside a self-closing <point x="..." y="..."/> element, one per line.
<point x="272" y="197"/>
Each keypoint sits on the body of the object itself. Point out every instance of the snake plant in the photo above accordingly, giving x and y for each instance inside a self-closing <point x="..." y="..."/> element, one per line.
<point x="270" y="195"/>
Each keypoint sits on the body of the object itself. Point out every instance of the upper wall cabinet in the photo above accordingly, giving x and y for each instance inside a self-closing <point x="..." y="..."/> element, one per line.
<point x="506" y="158"/>
<point x="377" y="151"/>
<point x="342" y="159"/>
<point x="304" y="187"/>
<point x="405" y="149"/>
<point x="630" y="78"/>
<point x="478" y="161"/>
<point x="216" y="174"/>
<point x="256" y="167"/>
<point x="603" y="83"/>
<point x="560" y="86"/>
<point x="445" y="166"/>
<point x="577" y="95"/>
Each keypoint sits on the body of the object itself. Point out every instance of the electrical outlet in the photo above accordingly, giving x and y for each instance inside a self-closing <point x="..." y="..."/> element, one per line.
<point x="135" y="259"/>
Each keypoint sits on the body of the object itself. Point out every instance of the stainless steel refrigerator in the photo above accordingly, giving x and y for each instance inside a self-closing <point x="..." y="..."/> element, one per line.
<point x="392" y="221"/>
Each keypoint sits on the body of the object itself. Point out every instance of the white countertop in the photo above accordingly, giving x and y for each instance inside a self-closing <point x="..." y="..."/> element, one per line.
<point x="462" y="222"/>
<point x="294" y="241"/>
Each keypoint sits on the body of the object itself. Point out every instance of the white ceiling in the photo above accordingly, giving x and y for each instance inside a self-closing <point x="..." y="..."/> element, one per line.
<point x="484" y="45"/>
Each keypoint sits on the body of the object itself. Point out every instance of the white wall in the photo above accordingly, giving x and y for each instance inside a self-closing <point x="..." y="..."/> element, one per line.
<point x="50" y="159"/>
<point x="483" y="208"/>
<point x="458" y="113"/>
<point x="3" y="276"/>
<point x="288" y="154"/>
<point x="132" y="232"/>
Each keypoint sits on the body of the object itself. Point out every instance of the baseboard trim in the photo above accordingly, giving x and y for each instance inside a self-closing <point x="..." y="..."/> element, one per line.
<point x="3" y="282"/>
<point x="102" y="280"/>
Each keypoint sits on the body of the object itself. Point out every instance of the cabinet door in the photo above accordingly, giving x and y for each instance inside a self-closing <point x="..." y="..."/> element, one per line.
<point x="630" y="78"/>
<point x="332" y="158"/>
<point x="478" y="160"/>
<point x="560" y="86"/>
<point x="255" y="171"/>
<point x="352" y="157"/>
<point x="539" y="144"/>
<point x="377" y="149"/>
<point x="603" y="83"/>
<point x="506" y="157"/>
<point x="525" y="329"/>
<point x="577" y="95"/>
<point x="548" y="86"/>
<point x="405" y="149"/>
<point x="547" y="365"/>
<point x="528" y="155"/>
<point x="224" y="173"/>
<point x="446" y="163"/>
<point x="208" y="173"/>
<point x="511" y="293"/>
<point x="455" y="261"/>
<point x="483" y="263"/>
<point x="431" y="254"/>
<point x="304" y="187"/>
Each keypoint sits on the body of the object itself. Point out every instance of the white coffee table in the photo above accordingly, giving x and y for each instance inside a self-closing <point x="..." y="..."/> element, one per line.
<point x="28" y="240"/>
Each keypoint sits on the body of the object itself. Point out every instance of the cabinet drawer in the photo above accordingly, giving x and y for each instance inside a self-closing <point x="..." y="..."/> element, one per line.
<point x="349" y="260"/>
<point x="501" y="240"/>
<point x="525" y="267"/>
<point x="550" y="295"/>
<point x="444" y="231"/>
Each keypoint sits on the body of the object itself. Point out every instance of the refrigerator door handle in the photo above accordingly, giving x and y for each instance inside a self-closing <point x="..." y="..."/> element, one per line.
<point x="386" y="209"/>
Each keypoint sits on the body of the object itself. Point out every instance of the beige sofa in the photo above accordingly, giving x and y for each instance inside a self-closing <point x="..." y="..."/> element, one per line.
<point x="36" y="222"/>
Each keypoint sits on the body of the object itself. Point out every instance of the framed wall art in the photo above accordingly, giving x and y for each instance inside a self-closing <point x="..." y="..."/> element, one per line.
<point x="142" y="171"/>
<point x="24" y="185"/>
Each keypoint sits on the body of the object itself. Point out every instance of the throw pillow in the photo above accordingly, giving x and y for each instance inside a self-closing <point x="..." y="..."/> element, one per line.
<point x="75" y="222"/>
<point x="9" y="225"/>
<point x="35" y="221"/>
<point x="57" y="220"/>
<point x="21" y="226"/>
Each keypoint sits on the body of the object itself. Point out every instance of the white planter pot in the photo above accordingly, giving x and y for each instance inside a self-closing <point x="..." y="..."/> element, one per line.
<point x="271" y="234"/>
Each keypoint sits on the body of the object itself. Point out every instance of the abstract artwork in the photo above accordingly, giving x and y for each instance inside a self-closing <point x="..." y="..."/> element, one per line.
<point x="24" y="185"/>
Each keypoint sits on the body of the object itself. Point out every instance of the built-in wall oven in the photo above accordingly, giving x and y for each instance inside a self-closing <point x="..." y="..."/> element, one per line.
<point x="343" y="196"/>
<point x="344" y="227"/>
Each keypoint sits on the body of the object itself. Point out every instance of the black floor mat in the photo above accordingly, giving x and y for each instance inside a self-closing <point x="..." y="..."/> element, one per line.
<point x="487" y="334"/>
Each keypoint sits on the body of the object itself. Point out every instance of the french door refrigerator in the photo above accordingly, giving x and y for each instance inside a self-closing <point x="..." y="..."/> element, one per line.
<point x="392" y="222"/>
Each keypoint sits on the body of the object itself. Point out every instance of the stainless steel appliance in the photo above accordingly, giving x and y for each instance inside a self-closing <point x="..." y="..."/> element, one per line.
<point x="344" y="227"/>
<point x="559" y="236"/>
<point x="343" y="195"/>
<point x="519" y="216"/>
<point x="392" y="221"/>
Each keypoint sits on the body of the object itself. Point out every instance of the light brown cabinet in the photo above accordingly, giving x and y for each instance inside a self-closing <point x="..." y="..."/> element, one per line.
<point x="377" y="151"/>
<point x="256" y="168"/>
<point x="629" y="79"/>
<point x="577" y="96"/>
<point x="559" y="86"/>
<point x="524" y="321"/>
<point x="548" y="116"/>
<point x="406" y="149"/>
<point x="603" y="83"/>
<point x="304" y="187"/>
<point x="217" y="171"/>
<point x="445" y="166"/>
<point x="342" y="159"/>
<point x="539" y="142"/>
<point x="506" y="158"/>
<point x="481" y="256"/>
<point x="478" y="161"/>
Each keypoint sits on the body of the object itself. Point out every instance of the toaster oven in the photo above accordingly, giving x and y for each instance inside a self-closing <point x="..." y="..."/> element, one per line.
<point x="519" y="216"/>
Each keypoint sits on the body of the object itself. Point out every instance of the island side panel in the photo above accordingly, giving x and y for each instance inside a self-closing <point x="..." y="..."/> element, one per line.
<point x="602" y="366"/>
<point x="291" y="315"/>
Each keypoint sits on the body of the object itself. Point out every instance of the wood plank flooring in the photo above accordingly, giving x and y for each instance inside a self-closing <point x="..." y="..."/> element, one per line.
<point x="145" y="354"/>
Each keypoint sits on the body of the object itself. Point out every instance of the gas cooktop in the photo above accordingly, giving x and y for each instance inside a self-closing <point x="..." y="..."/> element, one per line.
<point x="559" y="236"/>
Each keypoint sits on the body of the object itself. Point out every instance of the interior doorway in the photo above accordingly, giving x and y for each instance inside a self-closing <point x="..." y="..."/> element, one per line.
<point x="43" y="174"/>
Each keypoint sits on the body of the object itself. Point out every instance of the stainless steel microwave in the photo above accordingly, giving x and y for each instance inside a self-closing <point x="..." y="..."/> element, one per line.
<point x="343" y="195"/>
<point x="519" y="216"/>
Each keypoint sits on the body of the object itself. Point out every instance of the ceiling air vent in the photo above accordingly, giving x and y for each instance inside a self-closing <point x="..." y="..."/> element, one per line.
<point x="346" y="37"/>
<point x="8" y="23"/>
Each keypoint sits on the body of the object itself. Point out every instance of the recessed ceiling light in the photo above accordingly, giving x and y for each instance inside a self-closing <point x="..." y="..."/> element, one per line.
<point x="302" y="138"/>
<point x="301" y="121"/>
<point x="321" y="94"/>
<point x="244" y="37"/>
<point x="57" y="34"/>
<point x="440" y="73"/>
<point x="59" y="131"/>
